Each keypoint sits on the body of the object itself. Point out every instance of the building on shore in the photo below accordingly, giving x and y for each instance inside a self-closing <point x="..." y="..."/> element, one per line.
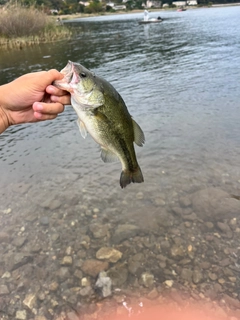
<point x="152" y="4"/>
<point x="185" y="3"/>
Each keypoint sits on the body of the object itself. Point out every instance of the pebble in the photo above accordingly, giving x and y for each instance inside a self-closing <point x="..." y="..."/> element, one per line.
<point x="51" y="204"/>
<point x="169" y="283"/>
<point x="78" y="274"/>
<point x="41" y="296"/>
<point x="221" y="281"/>
<point x="6" y="275"/>
<point x="185" y="201"/>
<point x="232" y="279"/>
<point x="224" y="227"/>
<point x="3" y="290"/>
<point x="118" y="275"/>
<point x="53" y="286"/>
<point x="63" y="273"/>
<point x="160" y="202"/>
<point x="86" y="291"/>
<point x="104" y="284"/>
<point x="233" y="302"/>
<point x="212" y="276"/>
<point x="135" y="267"/>
<point x="209" y="225"/>
<point x="147" y="279"/>
<point x="197" y="276"/>
<point x="177" y="251"/>
<point x="205" y="265"/>
<point x="19" y="241"/>
<point x="139" y="195"/>
<point x="55" y="237"/>
<point x="186" y="274"/>
<point x="4" y="237"/>
<point x="188" y="224"/>
<point x="7" y="211"/>
<point x="92" y="267"/>
<point x="30" y="300"/>
<point x="44" y="221"/>
<point x="69" y="251"/>
<point x="109" y="254"/>
<point x="85" y="282"/>
<point x="153" y="294"/>
<point x="99" y="231"/>
<point x="124" y="232"/>
<point x="67" y="261"/>
<point x="40" y="318"/>
<point x="72" y="316"/>
<point x="21" y="315"/>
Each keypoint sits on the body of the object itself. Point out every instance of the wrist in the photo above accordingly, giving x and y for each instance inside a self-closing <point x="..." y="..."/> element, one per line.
<point x="4" y="123"/>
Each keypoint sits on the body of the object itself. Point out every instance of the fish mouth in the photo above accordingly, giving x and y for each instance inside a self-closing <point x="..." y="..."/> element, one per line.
<point x="68" y="71"/>
<point x="71" y="78"/>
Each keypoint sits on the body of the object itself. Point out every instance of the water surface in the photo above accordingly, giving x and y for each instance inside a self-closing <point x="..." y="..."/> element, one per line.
<point x="180" y="81"/>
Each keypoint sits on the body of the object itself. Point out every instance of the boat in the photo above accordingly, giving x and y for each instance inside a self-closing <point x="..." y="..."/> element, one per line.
<point x="153" y="20"/>
<point x="146" y="19"/>
<point x="181" y="9"/>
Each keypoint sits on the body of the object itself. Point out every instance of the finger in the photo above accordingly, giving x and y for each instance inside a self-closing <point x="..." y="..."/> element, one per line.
<point x="42" y="117"/>
<point x="48" y="108"/>
<point x="54" y="74"/>
<point x="65" y="100"/>
<point x="55" y="91"/>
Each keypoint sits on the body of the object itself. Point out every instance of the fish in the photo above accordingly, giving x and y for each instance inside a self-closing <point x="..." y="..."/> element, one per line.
<point x="103" y="114"/>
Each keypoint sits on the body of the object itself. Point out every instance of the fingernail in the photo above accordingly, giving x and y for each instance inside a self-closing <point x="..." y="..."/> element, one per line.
<point x="38" y="107"/>
<point x="37" y="115"/>
<point x="51" y="89"/>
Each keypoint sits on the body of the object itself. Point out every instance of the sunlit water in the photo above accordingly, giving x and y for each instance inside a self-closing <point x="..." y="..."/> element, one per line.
<point x="180" y="81"/>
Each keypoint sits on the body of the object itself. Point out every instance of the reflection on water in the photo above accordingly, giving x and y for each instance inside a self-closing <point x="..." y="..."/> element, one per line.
<point x="60" y="204"/>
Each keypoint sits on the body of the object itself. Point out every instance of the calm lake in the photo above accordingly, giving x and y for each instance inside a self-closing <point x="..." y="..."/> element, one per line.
<point x="180" y="81"/>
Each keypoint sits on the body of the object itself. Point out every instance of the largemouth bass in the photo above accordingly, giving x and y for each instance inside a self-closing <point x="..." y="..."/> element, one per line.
<point x="102" y="112"/>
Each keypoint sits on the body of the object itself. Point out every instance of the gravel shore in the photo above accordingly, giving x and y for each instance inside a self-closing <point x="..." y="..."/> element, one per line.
<point x="91" y="255"/>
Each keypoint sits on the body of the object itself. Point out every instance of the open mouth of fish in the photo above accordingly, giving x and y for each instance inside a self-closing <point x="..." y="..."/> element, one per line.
<point x="71" y="78"/>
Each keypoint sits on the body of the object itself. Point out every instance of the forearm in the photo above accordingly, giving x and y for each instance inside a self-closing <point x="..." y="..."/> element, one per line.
<point x="4" y="123"/>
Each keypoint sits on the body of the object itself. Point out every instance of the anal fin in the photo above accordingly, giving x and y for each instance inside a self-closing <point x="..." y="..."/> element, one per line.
<point x="108" y="156"/>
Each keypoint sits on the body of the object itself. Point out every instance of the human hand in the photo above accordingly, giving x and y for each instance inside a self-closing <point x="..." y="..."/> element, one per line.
<point x="31" y="98"/>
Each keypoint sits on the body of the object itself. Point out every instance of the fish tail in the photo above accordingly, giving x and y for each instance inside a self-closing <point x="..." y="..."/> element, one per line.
<point x="128" y="176"/>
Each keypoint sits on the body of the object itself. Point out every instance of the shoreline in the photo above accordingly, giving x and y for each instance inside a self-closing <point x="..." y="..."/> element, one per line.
<point x="88" y="15"/>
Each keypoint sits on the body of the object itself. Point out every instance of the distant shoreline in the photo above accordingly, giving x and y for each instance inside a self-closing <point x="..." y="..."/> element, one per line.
<point x="84" y="15"/>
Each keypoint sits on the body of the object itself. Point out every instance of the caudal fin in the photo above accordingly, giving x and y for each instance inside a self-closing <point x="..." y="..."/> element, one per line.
<point x="131" y="176"/>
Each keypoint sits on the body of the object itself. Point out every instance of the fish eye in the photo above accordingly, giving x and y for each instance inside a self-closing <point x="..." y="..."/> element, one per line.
<point x="83" y="75"/>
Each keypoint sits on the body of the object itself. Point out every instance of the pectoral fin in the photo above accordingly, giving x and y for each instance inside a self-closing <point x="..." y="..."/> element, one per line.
<point x="108" y="156"/>
<point x="139" y="137"/>
<point x="82" y="128"/>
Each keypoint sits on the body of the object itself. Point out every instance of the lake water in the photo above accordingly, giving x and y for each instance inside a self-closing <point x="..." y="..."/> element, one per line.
<point x="180" y="81"/>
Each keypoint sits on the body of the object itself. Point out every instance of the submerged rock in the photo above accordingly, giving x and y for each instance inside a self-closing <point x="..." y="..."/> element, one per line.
<point x="109" y="254"/>
<point x="124" y="232"/>
<point x="92" y="267"/>
<point x="104" y="284"/>
<point x="214" y="204"/>
<point x="147" y="279"/>
<point x="99" y="231"/>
